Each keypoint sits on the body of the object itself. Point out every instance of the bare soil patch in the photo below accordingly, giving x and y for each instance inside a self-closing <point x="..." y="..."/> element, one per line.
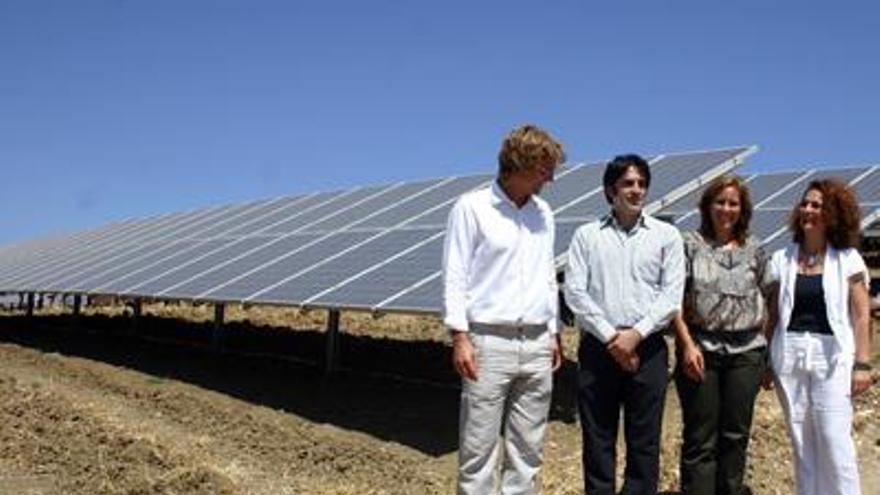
<point x="96" y="406"/>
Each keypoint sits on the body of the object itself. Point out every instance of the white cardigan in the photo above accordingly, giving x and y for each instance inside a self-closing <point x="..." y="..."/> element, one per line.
<point x="840" y="265"/>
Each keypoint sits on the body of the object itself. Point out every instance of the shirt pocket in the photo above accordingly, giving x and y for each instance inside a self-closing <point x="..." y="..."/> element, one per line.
<point x="648" y="268"/>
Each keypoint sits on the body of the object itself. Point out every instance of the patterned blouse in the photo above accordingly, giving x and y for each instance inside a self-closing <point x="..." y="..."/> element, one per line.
<point x="724" y="303"/>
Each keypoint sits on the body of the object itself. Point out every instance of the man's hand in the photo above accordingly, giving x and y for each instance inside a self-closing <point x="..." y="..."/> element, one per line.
<point x="557" y="352"/>
<point x="692" y="363"/>
<point x="622" y="348"/>
<point x="464" y="359"/>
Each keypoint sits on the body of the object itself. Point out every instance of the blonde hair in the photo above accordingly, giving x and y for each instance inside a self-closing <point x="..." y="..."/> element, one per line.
<point x="526" y="147"/>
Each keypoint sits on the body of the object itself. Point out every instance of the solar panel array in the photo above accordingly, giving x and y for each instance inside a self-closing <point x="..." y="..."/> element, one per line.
<point x="775" y="194"/>
<point x="376" y="248"/>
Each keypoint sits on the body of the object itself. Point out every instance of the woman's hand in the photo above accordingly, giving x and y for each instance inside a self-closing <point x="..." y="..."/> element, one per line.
<point x="692" y="362"/>
<point x="861" y="380"/>
<point x="767" y="382"/>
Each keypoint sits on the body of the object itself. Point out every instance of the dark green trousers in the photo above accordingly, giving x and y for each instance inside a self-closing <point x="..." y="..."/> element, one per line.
<point x="717" y="414"/>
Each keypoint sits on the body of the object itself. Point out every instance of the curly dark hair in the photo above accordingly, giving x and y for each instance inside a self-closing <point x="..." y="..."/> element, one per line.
<point x="741" y="229"/>
<point x="840" y="212"/>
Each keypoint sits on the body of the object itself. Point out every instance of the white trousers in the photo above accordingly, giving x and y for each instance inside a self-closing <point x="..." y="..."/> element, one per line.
<point x="504" y="412"/>
<point x="815" y="395"/>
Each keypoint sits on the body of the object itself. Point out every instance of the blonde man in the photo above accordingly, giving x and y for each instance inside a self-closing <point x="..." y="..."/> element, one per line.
<point x="500" y="304"/>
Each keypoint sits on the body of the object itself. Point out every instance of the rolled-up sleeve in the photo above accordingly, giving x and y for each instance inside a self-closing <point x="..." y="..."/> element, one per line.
<point x="587" y="311"/>
<point x="671" y="287"/>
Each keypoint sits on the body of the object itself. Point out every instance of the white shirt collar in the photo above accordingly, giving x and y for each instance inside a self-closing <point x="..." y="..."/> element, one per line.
<point x="499" y="197"/>
<point x="609" y="220"/>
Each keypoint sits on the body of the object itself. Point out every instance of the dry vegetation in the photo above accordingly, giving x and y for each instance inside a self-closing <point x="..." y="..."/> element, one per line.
<point x="87" y="407"/>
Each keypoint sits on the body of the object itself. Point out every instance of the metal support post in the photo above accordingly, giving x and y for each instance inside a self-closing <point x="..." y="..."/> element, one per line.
<point x="332" y="355"/>
<point x="136" y="313"/>
<point x="217" y="336"/>
<point x="30" y="304"/>
<point x="77" y="304"/>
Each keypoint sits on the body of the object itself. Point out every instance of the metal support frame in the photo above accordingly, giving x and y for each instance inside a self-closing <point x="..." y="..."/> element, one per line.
<point x="218" y="333"/>
<point x="30" y="304"/>
<point x="77" y="305"/>
<point x="137" y="309"/>
<point x="332" y="356"/>
<point x="136" y="313"/>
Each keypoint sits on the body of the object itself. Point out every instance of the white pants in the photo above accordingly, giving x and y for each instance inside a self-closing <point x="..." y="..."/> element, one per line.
<point x="815" y="395"/>
<point x="513" y="389"/>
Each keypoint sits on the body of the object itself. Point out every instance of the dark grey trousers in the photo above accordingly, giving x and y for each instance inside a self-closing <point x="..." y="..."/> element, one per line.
<point x="603" y="388"/>
<point x="717" y="414"/>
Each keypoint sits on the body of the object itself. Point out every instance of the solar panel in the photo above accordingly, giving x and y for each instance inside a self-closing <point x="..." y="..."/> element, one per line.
<point x="386" y="280"/>
<point x="430" y="208"/>
<point x="792" y="195"/>
<point x="766" y="187"/>
<point x="405" y="194"/>
<point x="422" y="297"/>
<point x="175" y="244"/>
<point x="131" y="249"/>
<point x="868" y="189"/>
<point x="73" y="262"/>
<point x="289" y="209"/>
<point x="309" y="281"/>
<point x="301" y="248"/>
<point x="24" y="256"/>
<point x="39" y="255"/>
<point x="375" y="247"/>
<point x="190" y="266"/>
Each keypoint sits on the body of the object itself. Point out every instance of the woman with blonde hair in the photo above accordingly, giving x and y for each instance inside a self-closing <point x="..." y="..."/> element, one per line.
<point x="720" y="342"/>
<point x="820" y="348"/>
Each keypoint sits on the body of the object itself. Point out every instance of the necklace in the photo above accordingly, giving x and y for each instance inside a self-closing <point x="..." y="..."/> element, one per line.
<point x="809" y="260"/>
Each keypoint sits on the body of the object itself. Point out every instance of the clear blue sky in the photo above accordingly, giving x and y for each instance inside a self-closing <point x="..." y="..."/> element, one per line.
<point x="115" y="109"/>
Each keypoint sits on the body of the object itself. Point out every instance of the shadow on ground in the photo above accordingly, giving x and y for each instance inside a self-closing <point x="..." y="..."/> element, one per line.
<point x="398" y="391"/>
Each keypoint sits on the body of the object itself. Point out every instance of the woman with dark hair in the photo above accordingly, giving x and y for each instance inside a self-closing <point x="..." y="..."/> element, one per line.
<point x="720" y="340"/>
<point x="820" y="348"/>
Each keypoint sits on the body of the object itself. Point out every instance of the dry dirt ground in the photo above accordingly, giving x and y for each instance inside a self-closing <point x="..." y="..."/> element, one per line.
<point x="99" y="406"/>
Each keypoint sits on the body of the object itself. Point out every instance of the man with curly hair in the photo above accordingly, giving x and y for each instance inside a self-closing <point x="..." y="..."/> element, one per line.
<point x="500" y="305"/>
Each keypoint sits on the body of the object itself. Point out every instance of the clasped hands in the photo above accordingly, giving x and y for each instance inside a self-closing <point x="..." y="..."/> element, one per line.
<point x="622" y="348"/>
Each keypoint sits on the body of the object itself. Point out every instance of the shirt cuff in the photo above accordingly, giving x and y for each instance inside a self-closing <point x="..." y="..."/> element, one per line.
<point x="455" y="324"/>
<point x="602" y="330"/>
<point x="645" y="327"/>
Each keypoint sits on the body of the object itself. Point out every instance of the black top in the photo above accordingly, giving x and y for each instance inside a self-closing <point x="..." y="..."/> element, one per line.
<point x="809" y="313"/>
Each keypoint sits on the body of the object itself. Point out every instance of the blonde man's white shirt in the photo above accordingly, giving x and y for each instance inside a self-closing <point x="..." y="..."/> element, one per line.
<point x="498" y="265"/>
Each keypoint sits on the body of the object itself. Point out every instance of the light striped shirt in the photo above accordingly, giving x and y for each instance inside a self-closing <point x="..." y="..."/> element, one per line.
<point x="618" y="279"/>
<point x="498" y="265"/>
